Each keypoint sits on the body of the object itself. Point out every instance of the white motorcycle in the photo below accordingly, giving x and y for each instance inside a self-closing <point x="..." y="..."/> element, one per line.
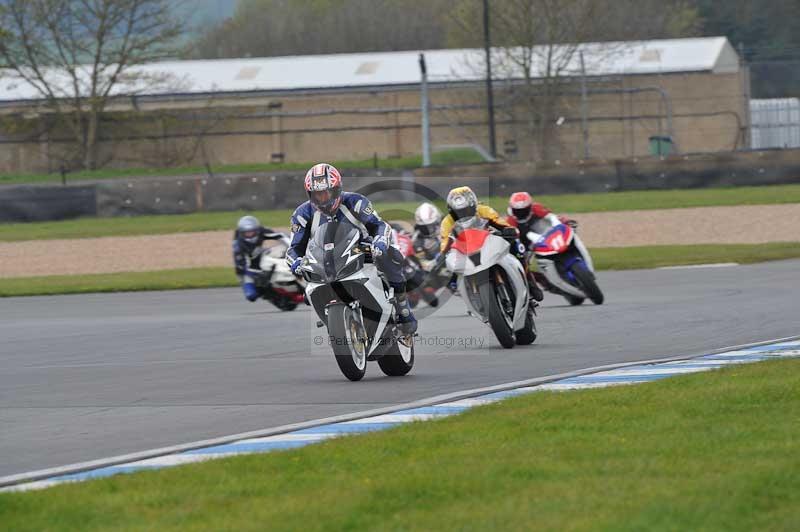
<point x="274" y="279"/>
<point x="492" y="282"/>
<point x="355" y="303"/>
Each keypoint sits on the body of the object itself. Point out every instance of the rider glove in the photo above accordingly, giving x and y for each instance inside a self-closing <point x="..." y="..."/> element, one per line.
<point x="510" y="232"/>
<point x="295" y="266"/>
<point x="379" y="246"/>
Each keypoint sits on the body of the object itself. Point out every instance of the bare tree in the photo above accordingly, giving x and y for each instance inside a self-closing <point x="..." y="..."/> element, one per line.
<point x="79" y="54"/>
<point x="538" y="43"/>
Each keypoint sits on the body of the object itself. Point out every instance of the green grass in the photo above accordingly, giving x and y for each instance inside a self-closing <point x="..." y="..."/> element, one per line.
<point x="605" y="259"/>
<point x="656" y="256"/>
<point x="445" y="157"/>
<point x="665" y="199"/>
<point x="709" y="451"/>
<point x="571" y="203"/>
<point x="138" y="225"/>
<point x="118" y="282"/>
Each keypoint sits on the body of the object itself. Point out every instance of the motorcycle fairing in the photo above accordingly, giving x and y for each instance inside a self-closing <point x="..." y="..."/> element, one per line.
<point x="491" y="250"/>
<point x="556" y="240"/>
<point x="341" y="273"/>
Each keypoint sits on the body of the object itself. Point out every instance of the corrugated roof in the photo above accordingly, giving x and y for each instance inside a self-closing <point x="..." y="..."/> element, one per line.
<point x="713" y="54"/>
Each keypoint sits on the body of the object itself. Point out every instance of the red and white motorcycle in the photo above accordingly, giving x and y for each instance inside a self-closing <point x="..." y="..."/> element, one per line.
<point x="492" y="282"/>
<point x="566" y="264"/>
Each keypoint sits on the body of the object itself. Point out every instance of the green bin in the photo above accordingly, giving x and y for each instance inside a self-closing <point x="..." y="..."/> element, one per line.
<point x="660" y="145"/>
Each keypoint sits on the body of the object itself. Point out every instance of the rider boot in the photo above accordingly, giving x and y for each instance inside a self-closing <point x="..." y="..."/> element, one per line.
<point x="533" y="288"/>
<point x="405" y="318"/>
<point x="518" y="249"/>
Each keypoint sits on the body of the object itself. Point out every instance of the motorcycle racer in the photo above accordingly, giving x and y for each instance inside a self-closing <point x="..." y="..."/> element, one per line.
<point x="527" y="215"/>
<point x="247" y="241"/>
<point x="327" y="202"/>
<point x="427" y="221"/>
<point x="462" y="203"/>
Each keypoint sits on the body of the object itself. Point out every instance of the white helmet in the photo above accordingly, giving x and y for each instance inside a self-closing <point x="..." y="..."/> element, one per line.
<point x="427" y="219"/>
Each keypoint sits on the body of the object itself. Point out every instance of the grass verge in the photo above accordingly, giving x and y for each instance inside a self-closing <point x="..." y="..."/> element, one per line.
<point x="605" y="259"/>
<point x="118" y="282"/>
<point x="444" y="157"/>
<point x="709" y="451"/>
<point x="570" y="203"/>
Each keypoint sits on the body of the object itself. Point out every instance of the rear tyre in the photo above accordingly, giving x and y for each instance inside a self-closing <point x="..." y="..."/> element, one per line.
<point x="399" y="358"/>
<point x="287" y="305"/>
<point x="348" y="341"/>
<point x="497" y="318"/>
<point x="587" y="283"/>
<point x="527" y="335"/>
<point x="574" y="300"/>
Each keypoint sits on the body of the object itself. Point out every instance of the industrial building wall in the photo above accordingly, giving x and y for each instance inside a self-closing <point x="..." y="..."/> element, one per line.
<point x="709" y="114"/>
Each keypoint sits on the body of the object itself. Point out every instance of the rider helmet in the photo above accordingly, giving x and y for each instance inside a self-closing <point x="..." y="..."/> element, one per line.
<point x="462" y="203"/>
<point x="323" y="185"/>
<point x="520" y="206"/>
<point x="249" y="229"/>
<point x="427" y="219"/>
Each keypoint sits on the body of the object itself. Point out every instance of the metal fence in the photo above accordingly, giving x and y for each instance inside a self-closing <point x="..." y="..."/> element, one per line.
<point x="775" y="123"/>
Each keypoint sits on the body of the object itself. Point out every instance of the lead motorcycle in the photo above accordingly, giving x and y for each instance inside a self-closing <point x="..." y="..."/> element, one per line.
<point x="492" y="282"/>
<point x="566" y="264"/>
<point x="355" y="303"/>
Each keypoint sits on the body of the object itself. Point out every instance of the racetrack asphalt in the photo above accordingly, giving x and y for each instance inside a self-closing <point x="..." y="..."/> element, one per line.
<point x="92" y="376"/>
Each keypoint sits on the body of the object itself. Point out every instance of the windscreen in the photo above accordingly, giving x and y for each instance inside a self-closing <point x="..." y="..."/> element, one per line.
<point x="330" y="258"/>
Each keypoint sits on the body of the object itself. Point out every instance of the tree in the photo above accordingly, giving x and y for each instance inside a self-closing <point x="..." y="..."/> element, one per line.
<point x="80" y="54"/>
<point x="262" y="28"/>
<point x="539" y="42"/>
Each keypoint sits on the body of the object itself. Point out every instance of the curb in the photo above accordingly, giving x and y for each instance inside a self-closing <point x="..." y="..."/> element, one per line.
<point x="44" y="474"/>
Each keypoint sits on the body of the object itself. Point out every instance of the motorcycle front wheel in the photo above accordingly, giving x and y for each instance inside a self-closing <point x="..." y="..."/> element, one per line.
<point x="497" y="318"/>
<point x="527" y="335"/>
<point x="348" y="340"/>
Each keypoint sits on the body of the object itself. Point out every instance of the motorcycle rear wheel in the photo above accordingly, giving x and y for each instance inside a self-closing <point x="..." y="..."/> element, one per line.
<point x="398" y="360"/>
<point x="574" y="300"/>
<point x="497" y="318"/>
<point x="347" y="340"/>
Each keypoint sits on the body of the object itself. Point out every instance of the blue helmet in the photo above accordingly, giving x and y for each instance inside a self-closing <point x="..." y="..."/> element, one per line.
<point x="249" y="229"/>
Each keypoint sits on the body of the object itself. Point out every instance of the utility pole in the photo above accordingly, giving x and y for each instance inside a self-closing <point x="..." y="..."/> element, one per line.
<point x="584" y="110"/>
<point x="426" y="123"/>
<point x="489" y="93"/>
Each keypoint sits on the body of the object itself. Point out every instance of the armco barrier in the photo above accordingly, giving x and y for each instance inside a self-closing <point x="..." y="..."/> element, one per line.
<point x="176" y="195"/>
<point x="38" y="203"/>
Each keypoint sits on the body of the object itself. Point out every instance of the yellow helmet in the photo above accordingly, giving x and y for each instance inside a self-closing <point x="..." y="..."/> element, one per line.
<point x="462" y="203"/>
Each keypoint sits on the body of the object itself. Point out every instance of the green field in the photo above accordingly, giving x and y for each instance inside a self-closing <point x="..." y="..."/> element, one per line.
<point x="570" y="203"/>
<point x="709" y="451"/>
<point x="445" y="157"/>
<point x="605" y="259"/>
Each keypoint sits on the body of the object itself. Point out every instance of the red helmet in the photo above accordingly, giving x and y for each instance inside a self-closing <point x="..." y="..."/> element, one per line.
<point x="520" y="206"/>
<point x="324" y="187"/>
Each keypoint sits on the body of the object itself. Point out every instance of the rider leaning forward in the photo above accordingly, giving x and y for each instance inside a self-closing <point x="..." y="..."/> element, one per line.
<point x="327" y="203"/>
<point x="462" y="204"/>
